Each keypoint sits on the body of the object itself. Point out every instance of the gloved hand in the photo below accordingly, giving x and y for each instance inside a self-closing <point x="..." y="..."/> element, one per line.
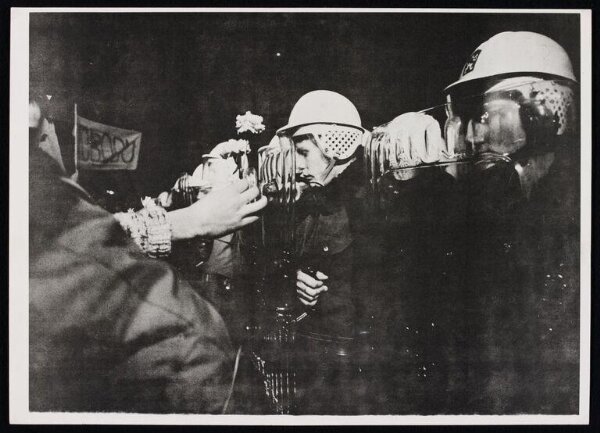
<point x="216" y="170"/>
<point x="309" y="288"/>
<point x="230" y="147"/>
<point x="222" y="164"/>
<point x="414" y="139"/>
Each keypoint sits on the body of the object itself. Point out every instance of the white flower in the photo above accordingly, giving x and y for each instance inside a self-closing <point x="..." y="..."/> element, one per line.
<point x="249" y="122"/>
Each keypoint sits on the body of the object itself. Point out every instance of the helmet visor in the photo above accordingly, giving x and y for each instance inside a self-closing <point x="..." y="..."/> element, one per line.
<point x="487" y="123"/>
<point x="507" y="119"/>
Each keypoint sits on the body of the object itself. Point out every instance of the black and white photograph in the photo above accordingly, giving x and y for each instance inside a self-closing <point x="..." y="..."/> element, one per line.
<point x="300" y="216"/>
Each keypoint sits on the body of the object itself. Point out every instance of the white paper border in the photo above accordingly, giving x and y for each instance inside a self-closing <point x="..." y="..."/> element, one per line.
<point x="19" y="244"/>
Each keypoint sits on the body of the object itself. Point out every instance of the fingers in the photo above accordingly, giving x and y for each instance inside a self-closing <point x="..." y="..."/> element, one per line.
<point x="393" y="152"/>
<point x="309" y="288"/>
<point x="226" y="148"/>
<point x="404" y="155"/>
<point x="401" y="140"/>
<point x="321" y="276"/>
<point x="256" y="206"/>
<point x="250" y="194"/>
<point x="240" y="186"/>
<point x="221" y="149"/>
<point x="303" y="295"/>
<point x="433" y="140"/>
<point x="308" y="280"/>
<point x="238" y="146"/>
<point x="310" y="291"/>
<point x="433" y="134"/>
<point x="309" y="303"/>
<point x="307" y="299"/>
<point x="417" y="141"/>
<point x="248" y="220"/>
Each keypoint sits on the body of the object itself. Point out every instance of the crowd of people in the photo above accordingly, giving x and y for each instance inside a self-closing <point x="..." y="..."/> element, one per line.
<point x="437" y="270"/>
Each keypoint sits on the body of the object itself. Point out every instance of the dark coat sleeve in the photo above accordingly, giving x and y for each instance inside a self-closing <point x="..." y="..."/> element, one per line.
<point x="111" y="330"/>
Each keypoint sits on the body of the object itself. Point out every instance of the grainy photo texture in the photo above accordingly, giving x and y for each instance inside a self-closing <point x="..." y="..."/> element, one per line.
<point x="304" y="213"/>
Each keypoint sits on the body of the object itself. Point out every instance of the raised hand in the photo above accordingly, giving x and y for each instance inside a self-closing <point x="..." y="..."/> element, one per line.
<point x="219" y="212"/>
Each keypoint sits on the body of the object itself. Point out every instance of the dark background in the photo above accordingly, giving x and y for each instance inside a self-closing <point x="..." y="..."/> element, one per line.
<point x="181" y="78"/>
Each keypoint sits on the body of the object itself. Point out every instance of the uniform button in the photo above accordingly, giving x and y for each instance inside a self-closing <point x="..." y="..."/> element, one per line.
<point x="325" y="248"/>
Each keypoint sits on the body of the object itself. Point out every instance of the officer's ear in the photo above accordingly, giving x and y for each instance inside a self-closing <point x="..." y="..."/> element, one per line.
<point x="539" y="122"/>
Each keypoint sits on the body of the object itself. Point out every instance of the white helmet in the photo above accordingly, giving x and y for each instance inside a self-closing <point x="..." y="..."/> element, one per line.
<point x="332" y="119"/>
<point x="510" y="53"/>
<point x="531" y="70"/>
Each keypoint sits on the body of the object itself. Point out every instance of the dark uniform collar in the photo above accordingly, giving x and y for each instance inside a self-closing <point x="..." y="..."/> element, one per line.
<point x="328" y="200"/>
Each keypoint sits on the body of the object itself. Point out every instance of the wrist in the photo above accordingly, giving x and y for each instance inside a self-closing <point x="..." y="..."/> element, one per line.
<point x="157" y="229"/>
<point x="179" y="229"/>
<point x="183" y="227"/>
<point x="149" y="228"/>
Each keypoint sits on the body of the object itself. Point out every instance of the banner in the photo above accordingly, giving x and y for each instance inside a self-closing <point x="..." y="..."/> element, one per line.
<point x="104" y="147"/>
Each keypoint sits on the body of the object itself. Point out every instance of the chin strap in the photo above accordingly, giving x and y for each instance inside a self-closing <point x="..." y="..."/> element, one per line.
<point x="325" y="175"/>
<point x="329" y="173"/>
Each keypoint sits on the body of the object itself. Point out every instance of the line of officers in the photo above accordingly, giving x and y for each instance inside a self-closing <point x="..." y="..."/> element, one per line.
<point x="436" y="264"/>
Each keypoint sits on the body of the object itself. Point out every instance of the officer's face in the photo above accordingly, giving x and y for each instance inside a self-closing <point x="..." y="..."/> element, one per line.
<point x="311" y="164"/>
<point x="497" y="128"/>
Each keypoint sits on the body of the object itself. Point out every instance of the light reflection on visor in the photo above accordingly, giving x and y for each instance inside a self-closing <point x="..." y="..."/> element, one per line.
<point x="506" y="120"/>
<point x="489" y="123"/>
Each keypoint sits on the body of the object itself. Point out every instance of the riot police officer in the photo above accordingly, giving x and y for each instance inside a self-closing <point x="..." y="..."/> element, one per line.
<point x="513" y="113"/>
<point x="326" y="131"/>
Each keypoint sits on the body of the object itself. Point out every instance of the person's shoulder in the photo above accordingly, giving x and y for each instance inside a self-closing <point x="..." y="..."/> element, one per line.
<point x="142" y="294"/>
<point x="560" y="187"/>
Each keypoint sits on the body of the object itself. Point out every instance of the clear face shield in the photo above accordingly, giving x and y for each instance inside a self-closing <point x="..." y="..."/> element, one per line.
<point x="508" y="117"/>
<point x="487" y="138"/>
<point x="295" y="160"/>
<point x="276" y="308"/>
<point x="277" y="181"/>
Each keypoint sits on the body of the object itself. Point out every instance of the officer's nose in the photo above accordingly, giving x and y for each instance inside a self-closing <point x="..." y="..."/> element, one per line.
<point x="300" y="165"/>
<point x="477" y="136"/>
